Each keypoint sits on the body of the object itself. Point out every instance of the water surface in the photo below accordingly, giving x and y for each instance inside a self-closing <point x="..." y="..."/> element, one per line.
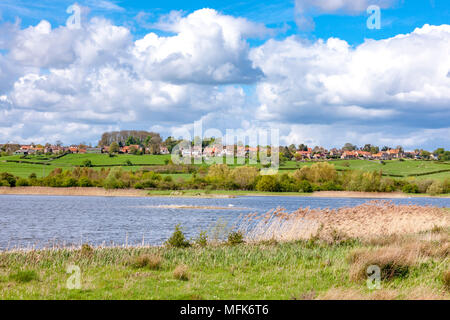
<point x="27" y="220"/>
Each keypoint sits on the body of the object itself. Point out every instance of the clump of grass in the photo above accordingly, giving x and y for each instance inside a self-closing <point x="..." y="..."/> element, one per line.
<point x="437" y="229"/>
<point x="178" y="239"/>
<point x="393" y="262"/>
<point x="181" y="272"/>
<point x="151" y="261"/>
<point x="235" y="237"/>
<point x="355" y="294"/>
<point x="86" y="250"/>
<point x="446" y="279"/>
<point x="24" y="276"/>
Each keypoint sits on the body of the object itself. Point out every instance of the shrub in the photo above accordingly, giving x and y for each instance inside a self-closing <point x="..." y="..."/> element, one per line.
<point x="24" y="276"/>
<point x="128" y="163"/>
<point x="22" y="183"/>
<point x="235" y="237"/>
<point x="410" y="188"/>
<point x="268" y="183"/>
<point x="178" y="240"/>
<point x="423" y="185"/>
<point x="150" y="261"/>
<point x="202" y="239"/>
<point x="87" y="163"/>
<point x="435" y="188"/>
<point x="287" y="183"/>
<point x="305" y="186"/>
<point x="181" y="272"/>
<point x="32" y="176"/>
<point x="9" y="178"/>
<point x="70" y="182"/>
<point x="219" y="172"/>
<point x="245" y="177"/>
<point x="85" y="182"/>
<point x="330" y="186"/>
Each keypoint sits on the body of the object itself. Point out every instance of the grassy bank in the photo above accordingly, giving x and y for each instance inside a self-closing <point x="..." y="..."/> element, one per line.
<point x="325" y="257"/>
<point x="270" y="270"/>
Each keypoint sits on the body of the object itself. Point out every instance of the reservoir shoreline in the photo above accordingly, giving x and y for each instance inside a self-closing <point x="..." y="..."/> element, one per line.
<point x="101" y="192"/>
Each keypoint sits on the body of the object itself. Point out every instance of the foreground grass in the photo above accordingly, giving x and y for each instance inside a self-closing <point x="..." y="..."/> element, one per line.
<point x="295" y="270"/>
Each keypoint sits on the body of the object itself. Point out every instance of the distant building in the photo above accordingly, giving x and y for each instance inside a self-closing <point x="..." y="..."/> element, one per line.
<point x="93" y="150"/>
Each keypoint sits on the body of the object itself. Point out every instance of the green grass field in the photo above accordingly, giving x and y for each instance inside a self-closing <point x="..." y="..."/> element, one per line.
<point x="293" y="270"/>
<point x="392" y="167"/>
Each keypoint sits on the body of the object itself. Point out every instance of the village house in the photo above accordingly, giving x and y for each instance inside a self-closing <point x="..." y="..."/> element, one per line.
<point x="163" y="150"/>
<point x="349" y="155"/>
<point x="127" y="149"/>
<point x="305" y="154"/>
<point x="364" y="154"/>
<point x="394" y="153"/>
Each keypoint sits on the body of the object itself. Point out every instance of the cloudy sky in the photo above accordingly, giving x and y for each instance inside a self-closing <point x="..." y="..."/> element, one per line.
<point x="312" y="69"/>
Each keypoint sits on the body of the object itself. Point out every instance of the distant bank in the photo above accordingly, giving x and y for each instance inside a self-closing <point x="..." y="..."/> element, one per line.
<point x="101" y="192"/>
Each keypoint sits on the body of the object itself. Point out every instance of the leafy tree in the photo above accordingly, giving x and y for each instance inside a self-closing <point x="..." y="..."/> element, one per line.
<point x="268" y="183"/>
<point x="178" y="240"/>
<point x="349" y="147"/>
<point x="114" y="147"/>
<point x="245" y="176"/>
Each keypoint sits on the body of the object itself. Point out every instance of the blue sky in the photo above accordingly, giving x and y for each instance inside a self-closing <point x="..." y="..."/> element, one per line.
<point x="311" y="68"/>
<point x="403" y="17"/>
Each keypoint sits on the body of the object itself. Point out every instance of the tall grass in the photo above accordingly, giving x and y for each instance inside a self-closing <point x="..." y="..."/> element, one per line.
<point x="374" y="218"/>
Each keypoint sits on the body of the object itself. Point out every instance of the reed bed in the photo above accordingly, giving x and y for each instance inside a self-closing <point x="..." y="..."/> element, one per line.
<point x="366" y="221"/>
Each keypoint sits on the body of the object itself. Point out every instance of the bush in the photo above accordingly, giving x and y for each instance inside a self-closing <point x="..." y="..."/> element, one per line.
<point x="70" y="182"/>
<point x="436" y="188"/>
<point x="4" y="183"/>
<point x="268" y="183"/>
<point x="128" y="163"/>
<point x="235" y="237"/>
<point x="245" y="177"/>
<point x="330" y="186"/>
<point x="178" y="240"/>
<point x="423" y="185"/>
<point x="9" y="178"/>
<point x="410" y="188"/>
<point x="202" y="239"/>
<point x="305" y="186"/>
<point x="32" y="176"/>
<point x="85" y="182"/>
<point x="87" y="163"/>
<point x="22" y="183"/>
<point x="287" y="183"/>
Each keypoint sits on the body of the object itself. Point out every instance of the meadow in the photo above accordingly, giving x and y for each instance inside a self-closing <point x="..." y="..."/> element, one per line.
<point x="327" y="264"/>
<point x="42" y="165"/>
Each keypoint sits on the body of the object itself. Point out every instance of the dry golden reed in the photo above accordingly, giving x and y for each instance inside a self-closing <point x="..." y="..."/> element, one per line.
<point x="181" y="272"/>
<point x="150" y="261"/>
<point x="370" y="220"/>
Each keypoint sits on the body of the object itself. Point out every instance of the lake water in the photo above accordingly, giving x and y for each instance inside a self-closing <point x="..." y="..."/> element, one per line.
<point x="46" y="220"/>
